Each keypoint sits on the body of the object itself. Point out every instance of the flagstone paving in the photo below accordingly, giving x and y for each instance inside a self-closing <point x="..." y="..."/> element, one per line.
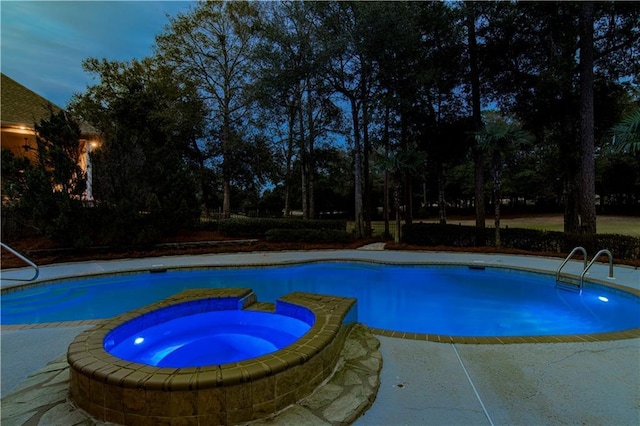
<point x="42" y="400"/>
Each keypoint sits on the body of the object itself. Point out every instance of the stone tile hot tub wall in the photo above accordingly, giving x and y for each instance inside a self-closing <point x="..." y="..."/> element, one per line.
<point x="119" y="391"/>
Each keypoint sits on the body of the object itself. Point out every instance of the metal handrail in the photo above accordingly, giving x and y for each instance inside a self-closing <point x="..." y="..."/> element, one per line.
<point x="21" y="257"/>
<point x="598" y="254"/>
<point x="575" y="249"/>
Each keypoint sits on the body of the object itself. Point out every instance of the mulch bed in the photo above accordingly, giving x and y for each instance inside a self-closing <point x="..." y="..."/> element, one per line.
<point x="43" y="251"/>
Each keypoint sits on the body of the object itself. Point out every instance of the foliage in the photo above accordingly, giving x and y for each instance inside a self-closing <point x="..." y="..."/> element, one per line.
<point x="621" y="246"/>
<point x="212" y="46"/>
<point x="438" y="235"/>
<point x="402" y="73"/>
<point x="618" y="182"/>
<point x="13" y="180"/>
<point x="310" y="236"/>
<point x="150" y="119"/>
<point x="257" y="228"/>
<point x="499" y="138"/>
<point x="59" y="151"/>
<point x="291" y="86"/>
<point x="539" y="80"/>
<point x="49" y="192"/>
<point x="249" y="105"/>
<point x="626" y="134"/>
<point x="433" y="235"/>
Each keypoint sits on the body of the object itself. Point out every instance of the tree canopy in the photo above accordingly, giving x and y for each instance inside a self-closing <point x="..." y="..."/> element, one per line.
<point x="299" y="104"/>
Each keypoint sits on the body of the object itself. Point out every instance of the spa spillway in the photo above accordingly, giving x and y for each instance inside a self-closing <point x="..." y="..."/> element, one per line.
<point x="212" y="356"/>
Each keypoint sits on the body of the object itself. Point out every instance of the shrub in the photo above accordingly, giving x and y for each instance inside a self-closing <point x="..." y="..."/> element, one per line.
<point x="206" y="224"/>
<point x="308" y="235"/>
<point x="621" y="246"/>
<point x="258" y="227"/>
<point x="432" y="234"/>
<point x="532" y="239"/>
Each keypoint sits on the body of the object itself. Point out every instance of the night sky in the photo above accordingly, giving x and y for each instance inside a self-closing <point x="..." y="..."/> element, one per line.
<point x="43" y="43"/>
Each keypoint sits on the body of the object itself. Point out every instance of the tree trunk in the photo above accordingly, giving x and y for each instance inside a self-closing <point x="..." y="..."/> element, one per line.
<point x="474" y="76"/>
<point x="397" y="188"/>
<point x="287" y="179"/>
<point x="497" y="195"/>
<point x="571" y="176"/>
<point x="226" y="199"/>
<point x="303" y="159"/>
<point x="287" y="198"/>
<point x="385" y="207"/>
<point x="406" y="178"/>
<point x="357" y="157"/>
<point x="425" y="199"/>
<point x="408" y="198"/>
<point x="204" y="184"/>
<point x="311" y="160"/>
<point x="587" y="187"/>
<point x="442" y="208"/>
<point x="365" y="171"/>
<point x="226" y="172"/>
<point x="571" y="222"/>
<point x="304" y="185"/>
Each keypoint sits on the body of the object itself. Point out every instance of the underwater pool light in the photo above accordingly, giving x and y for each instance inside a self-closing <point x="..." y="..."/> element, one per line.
<point x="603" y="299"/>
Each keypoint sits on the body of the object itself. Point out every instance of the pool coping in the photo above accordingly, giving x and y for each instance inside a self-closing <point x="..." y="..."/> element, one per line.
<point x="350" y="256"/>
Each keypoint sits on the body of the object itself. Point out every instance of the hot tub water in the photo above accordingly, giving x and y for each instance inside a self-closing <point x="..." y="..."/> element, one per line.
<point x="210" y="338"/>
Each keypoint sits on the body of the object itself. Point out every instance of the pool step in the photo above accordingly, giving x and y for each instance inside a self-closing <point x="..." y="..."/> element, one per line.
<point x="568" y="282"/>
<point x="262" y="307"/>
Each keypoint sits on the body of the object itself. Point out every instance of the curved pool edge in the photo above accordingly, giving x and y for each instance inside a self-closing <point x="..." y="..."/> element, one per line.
<point x="506" y="340"/>
<point x="119" y="391"/>
<point x="534" y="263"/>
<point x="525" y="263"/>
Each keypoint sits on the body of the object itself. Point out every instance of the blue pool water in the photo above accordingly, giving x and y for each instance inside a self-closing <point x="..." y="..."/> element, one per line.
<point x="210" y="338"/>
<point x="425" y="299"/>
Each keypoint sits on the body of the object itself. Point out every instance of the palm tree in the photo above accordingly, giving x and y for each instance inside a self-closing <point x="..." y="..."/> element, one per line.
<point x="397" y="163"/>
<point x="626" y="134"/>
<point x="498" y="139"/>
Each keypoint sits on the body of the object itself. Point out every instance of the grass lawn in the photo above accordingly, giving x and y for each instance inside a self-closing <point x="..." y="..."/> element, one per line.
<point x="625" y="225"/>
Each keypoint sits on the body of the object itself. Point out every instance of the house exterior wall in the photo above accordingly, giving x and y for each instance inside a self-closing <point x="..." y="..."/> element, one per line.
<point x="21" y="109"/>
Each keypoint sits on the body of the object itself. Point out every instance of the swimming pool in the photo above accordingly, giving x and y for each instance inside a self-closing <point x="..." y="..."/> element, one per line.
<point x="447" y="300"/>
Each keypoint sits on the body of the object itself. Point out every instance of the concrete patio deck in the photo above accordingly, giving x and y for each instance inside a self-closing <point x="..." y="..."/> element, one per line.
<point x="422" y="382"/>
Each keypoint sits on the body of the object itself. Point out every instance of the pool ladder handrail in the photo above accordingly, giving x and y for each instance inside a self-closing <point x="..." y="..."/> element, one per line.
<point x="23" y="258"/>
<point x="598" y="254"/>
<point x="575" y="249"/>
<point x="586" y="266"/>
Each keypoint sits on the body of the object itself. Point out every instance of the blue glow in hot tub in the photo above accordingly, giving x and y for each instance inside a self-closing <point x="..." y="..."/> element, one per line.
<point x="209" y="338"/>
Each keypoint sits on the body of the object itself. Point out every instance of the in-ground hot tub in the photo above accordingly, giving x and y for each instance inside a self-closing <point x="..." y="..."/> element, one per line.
<point x="204" y="338"/>
<point x="198" y="389"/>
